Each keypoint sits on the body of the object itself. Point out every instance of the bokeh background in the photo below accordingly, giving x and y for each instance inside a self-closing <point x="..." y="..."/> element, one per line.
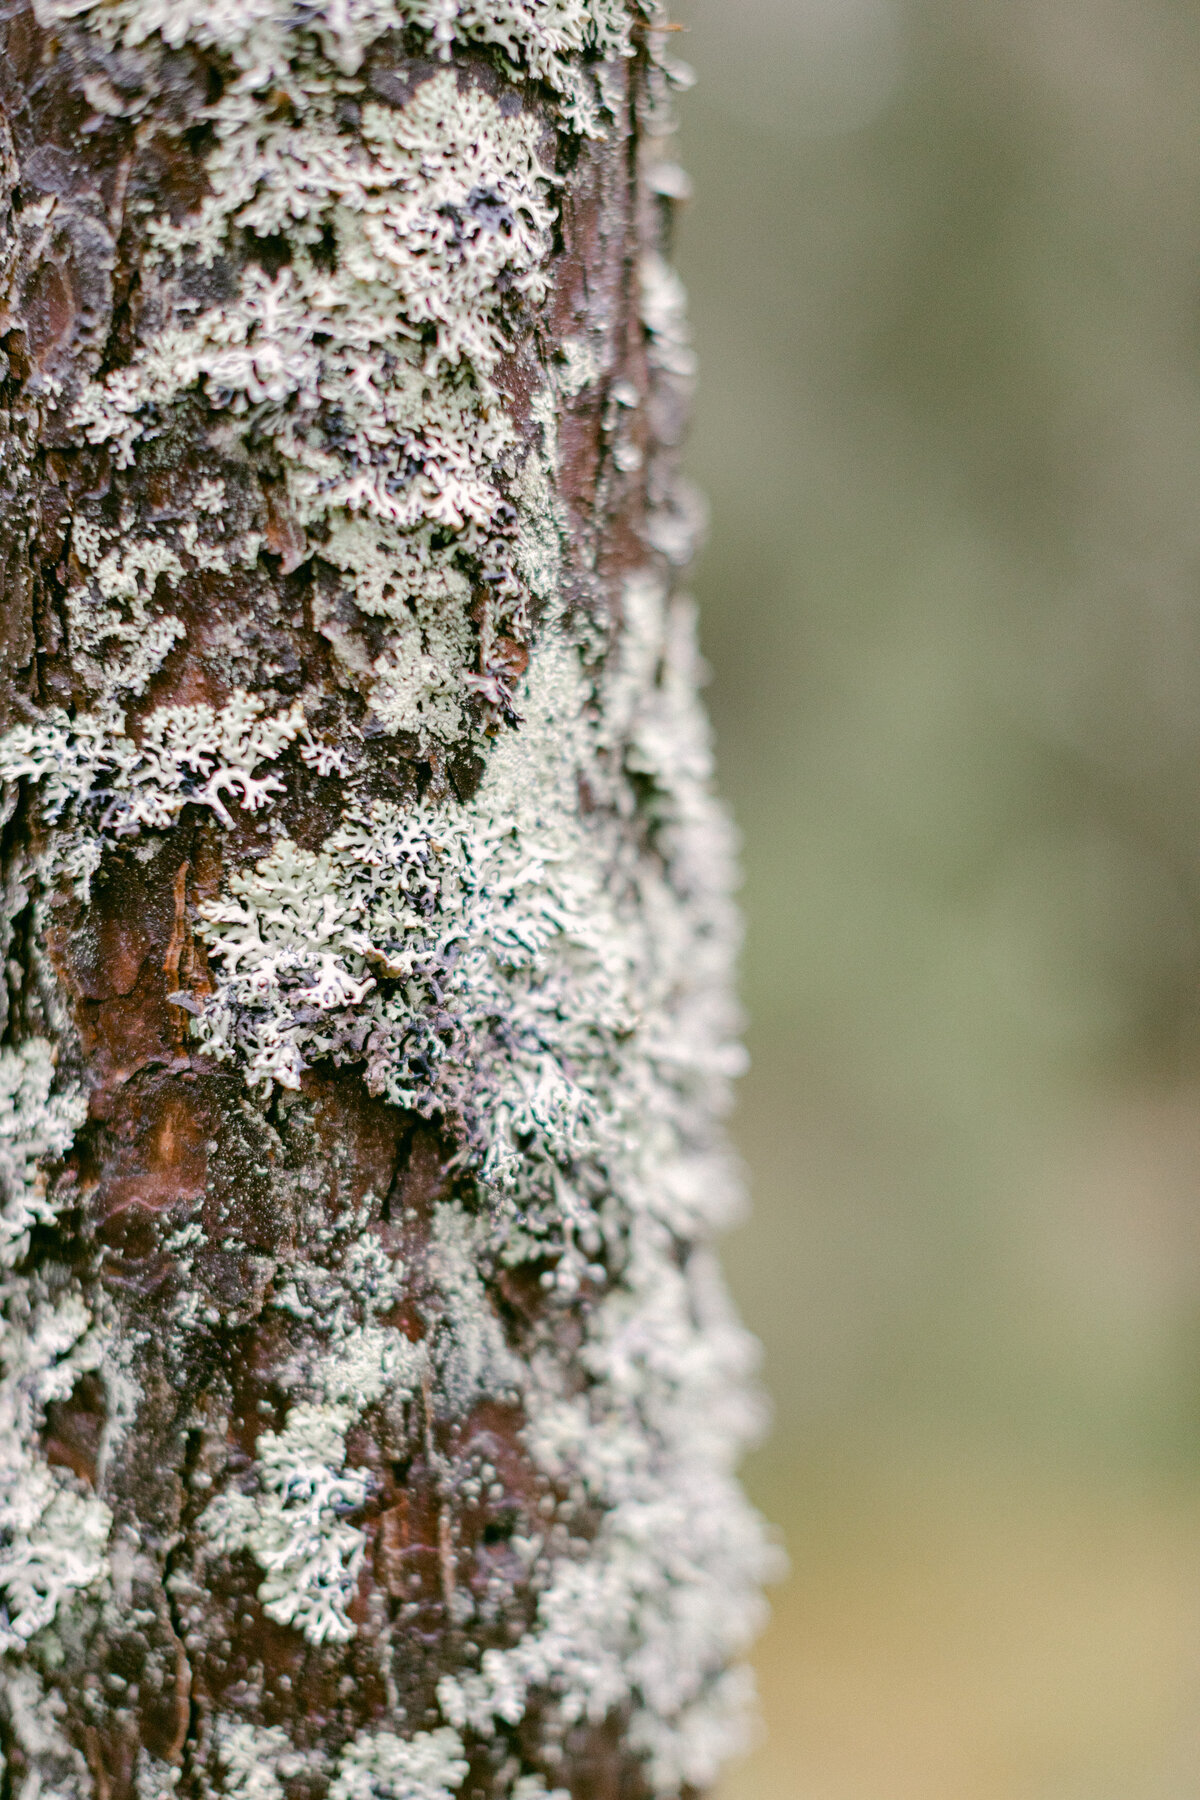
<point x="944" y="263"/>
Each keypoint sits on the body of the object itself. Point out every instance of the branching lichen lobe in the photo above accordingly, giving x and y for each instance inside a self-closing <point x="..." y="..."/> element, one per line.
<point x="369" y="1397"/>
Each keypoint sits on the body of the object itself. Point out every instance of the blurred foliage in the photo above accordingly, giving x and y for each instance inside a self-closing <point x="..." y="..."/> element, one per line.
<point x="944" y="262"/>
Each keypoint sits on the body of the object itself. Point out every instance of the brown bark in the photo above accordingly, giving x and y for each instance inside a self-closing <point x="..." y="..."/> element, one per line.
<point x="174" y="1139"/>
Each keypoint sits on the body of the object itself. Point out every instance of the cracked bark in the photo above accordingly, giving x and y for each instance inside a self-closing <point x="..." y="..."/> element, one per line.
<point x="174" y="1139"/>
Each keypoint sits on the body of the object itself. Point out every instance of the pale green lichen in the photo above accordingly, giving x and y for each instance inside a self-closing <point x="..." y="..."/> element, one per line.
<point x="54" y="1769"/>
<point x="154" y="1779"/>
<point x="650" y="1614"/>
<point x="295" y="1527"/>
<point x="516" y="965"/>
<point x="366" y="362"/>
<point x="398" y="945"/>
<point x="434" y="204"/>
<point x="297" y="1520"/>
<point x="119" y="629"/>
<point x="250" y="1757"/>
<point x="53" y="1529"/>
<point x="118" y="638"/>
<point x="379" y="1765"/>
<point x="564" y="43"/>
<point x="546" y="980"/>
<point x="375" y="1765"/>
<point x="37" y="1125"/>
<point x="109" y="785"/>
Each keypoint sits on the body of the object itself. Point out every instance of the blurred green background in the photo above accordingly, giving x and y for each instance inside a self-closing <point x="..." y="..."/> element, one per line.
<point x="944" y="262"/>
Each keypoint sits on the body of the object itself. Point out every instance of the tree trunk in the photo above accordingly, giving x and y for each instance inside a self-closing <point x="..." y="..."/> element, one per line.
<point x="369" y="1397"/>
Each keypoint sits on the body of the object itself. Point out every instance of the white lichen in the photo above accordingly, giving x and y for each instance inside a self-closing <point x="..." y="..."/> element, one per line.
<point x="154" y="1779"/>
<point x="254" y="1758"/>
<point x="36" y="1126"/>
<point x="118" y="637"/>
<point x="546" y="39"/>
<point x="546" y="979"/>
<point x="54" y="1768"/>
<point x="366" y="362"/>
<point x="516" y="965"/>
<point x="247" y="1754"/>
<point x="416" y="685"/>
<point x="297" y="1521"/>
<point x="112" y="785"/>
<point x="295" y="1527"/>
<point x="379" y="1765"/>
<point x="53" y="1529"/>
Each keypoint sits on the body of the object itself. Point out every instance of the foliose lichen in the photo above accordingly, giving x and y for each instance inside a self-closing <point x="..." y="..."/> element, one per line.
<point x="540" y="969"/>
<point x="53" y="1530"/>
<point x="378" y="1765"/>
<point x="295" y="1520"/>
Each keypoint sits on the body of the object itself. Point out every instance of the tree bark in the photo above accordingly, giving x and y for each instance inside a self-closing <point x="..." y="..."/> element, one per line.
<point x="369" y="1401"/>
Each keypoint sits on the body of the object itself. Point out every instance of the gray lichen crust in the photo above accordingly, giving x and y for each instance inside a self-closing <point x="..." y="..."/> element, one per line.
<point x="369" y="1398"/>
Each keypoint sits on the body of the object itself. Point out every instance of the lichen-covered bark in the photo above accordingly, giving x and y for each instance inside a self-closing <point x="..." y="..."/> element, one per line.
<point x="369" y="1401"/>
